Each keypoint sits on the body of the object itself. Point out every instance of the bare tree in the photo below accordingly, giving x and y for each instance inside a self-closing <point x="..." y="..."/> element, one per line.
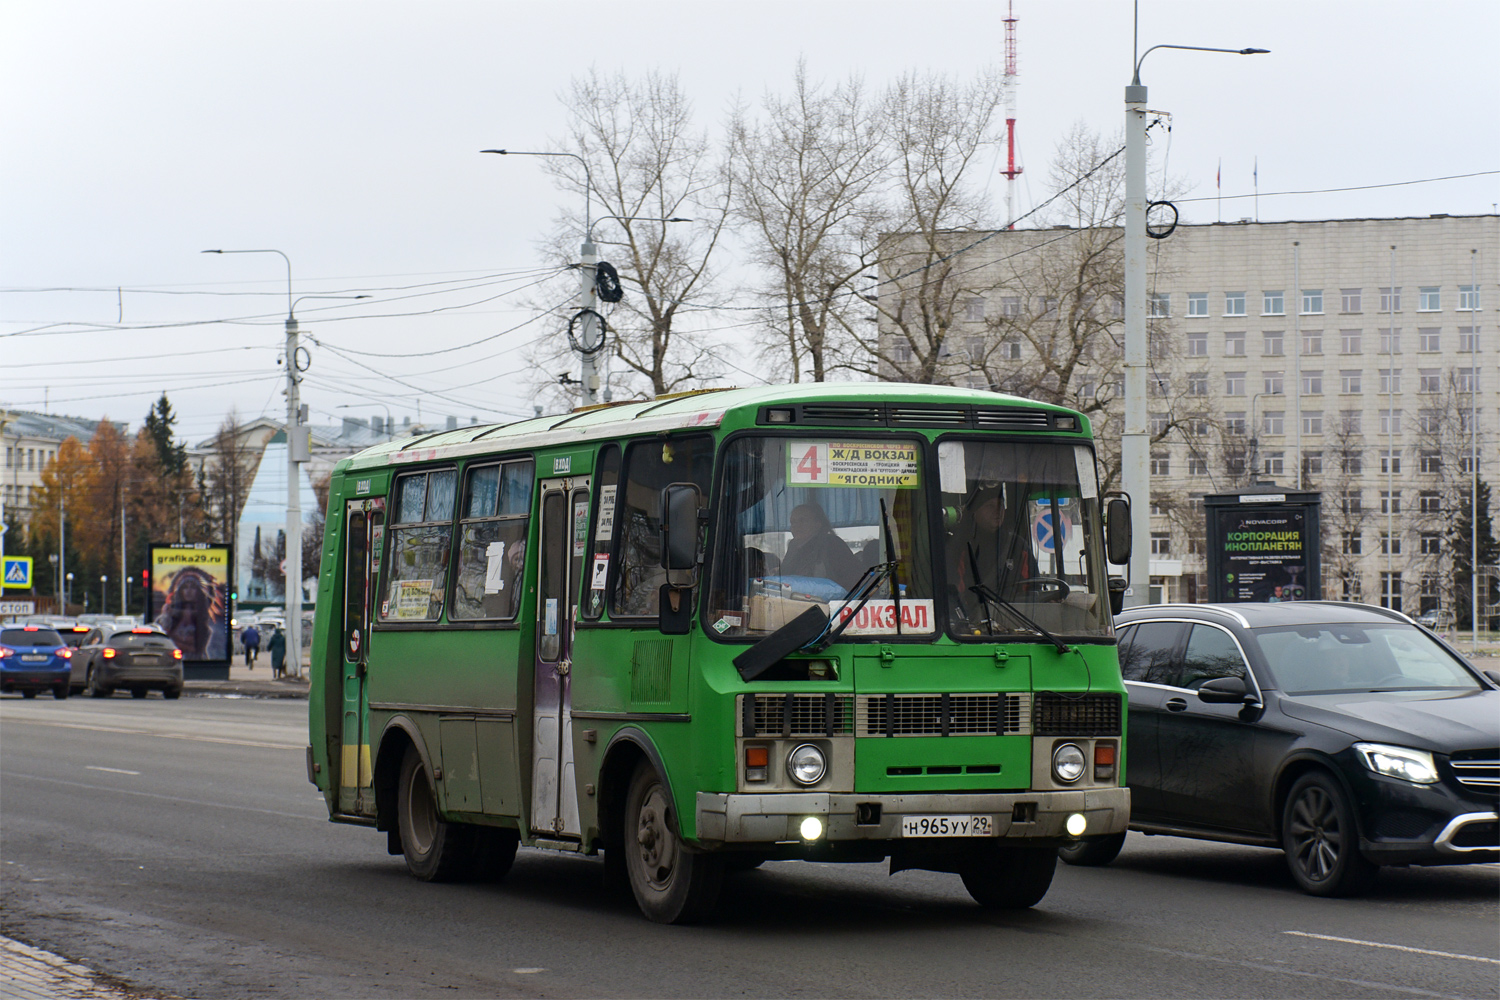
<point x="227" y="476"/>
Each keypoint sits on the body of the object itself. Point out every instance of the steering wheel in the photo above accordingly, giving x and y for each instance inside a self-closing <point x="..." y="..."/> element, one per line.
<point x="1052" y="588"/>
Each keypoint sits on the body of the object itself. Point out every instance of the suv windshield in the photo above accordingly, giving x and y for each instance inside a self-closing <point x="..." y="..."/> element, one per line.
<point x="1323" y="659"/>
<point x="803" y="519"/>
<point x="1022" y="541"/>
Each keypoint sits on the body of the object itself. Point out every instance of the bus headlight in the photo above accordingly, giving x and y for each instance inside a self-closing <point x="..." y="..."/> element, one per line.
<point x="806" y="764"/>
<point x="1068" y="763"/>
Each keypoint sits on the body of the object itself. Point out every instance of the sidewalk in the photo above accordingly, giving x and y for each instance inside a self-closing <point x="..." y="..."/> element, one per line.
<point x="251" y="682"/>
<point x="28" y="973"/>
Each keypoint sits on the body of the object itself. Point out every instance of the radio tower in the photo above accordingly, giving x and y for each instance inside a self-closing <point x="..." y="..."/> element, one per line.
<point x="1011" y="171"/>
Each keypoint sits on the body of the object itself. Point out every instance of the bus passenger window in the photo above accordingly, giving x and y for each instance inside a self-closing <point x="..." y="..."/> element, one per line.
<point x="606" y="487"/>
<point x="650" y="466"/>
<point x="419" y="543"/>
<point x="492" y="542"/>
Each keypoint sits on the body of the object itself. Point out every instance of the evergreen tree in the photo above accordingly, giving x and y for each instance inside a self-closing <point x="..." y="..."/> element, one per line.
<point x="1461" y="544"/>
<point x="159" y="424"/>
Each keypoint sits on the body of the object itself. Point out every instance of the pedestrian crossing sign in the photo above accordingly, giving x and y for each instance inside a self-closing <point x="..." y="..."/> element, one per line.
<point x="18" y="572"/>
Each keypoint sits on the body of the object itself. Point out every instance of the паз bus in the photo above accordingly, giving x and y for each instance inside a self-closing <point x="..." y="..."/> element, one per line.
<point x="832" y="622"/>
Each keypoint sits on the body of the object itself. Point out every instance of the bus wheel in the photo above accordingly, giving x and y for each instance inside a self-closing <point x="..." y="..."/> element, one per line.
<point x="1010" y="878"/>
<point x="672" y="885"/>
<point x="1088" y="853"/>
<point x="494" y="852"/>
<point x="435" y="851"/>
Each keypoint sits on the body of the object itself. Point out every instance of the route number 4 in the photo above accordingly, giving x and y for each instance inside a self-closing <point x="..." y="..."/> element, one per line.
<point x="809" y="463"/>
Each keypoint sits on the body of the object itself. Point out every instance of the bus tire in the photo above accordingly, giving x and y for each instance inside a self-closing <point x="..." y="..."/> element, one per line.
<point x="1010" y="878"/>
<point x="1092" y="852"/>
<point x="671" y="884"/>
<point x="494" y="852"/>
<point x="435" y="851"/>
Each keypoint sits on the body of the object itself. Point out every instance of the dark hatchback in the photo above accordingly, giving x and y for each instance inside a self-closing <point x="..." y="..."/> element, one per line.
<point x="34" y="658"/>
<point x="139" y="659"/>
<point x="1344" y="734"/>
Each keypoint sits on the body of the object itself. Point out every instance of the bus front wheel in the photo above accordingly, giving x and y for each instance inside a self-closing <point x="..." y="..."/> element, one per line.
<point x="435" y="851"/>
<point x="1010" y="878"/>
<point x="672" y="885"/>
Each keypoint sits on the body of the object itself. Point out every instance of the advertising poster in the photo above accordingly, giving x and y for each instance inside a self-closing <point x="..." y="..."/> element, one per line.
<point x="1263" y="551"/>
<point x="189" y="599"/>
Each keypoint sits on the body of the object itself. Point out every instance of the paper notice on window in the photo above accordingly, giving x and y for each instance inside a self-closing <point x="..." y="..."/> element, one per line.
<point x="412" y="598"/>
<point x="600" y="573"/>
<point x="494" y="567"/>
<point x="605" y="529"/>
<point x="1088" y="482"/>
<point x="891" y="466"/>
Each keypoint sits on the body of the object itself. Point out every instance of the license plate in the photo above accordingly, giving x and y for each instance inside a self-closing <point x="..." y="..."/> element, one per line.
<point x="33" y="658"/>
<point x="140" y="660"/>
<point x="947" y="826"/>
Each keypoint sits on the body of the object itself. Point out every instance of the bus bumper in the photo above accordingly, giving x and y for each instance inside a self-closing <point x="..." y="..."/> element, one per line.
<point x="737" y="818"/>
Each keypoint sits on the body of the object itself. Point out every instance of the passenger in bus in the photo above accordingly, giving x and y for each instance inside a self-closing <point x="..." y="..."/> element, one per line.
<point x="985" y="536"/>
<point x="510" y="578"/>
<point x="817" y="551"/>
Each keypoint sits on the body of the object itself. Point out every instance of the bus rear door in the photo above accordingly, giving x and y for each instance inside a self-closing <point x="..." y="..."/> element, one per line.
<point x="364" y="526"/>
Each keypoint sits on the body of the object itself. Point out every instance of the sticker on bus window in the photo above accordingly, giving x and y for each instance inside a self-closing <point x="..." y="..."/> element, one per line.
<point x="494" y="567"/>
<point x="600" y="573"/>
<point x="891" y="466"/>
<point x="879" y="617"/>
<point x="605" y="529"/>
<point x="549" y="627"/>
<point x="412" y="598"/>
<point x="580" y="527"/>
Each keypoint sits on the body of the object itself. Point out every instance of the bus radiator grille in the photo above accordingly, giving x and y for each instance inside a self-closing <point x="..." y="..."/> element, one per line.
<point x="1058" y="714"/>
<point x="796" y="715"/>
<point x="944" y="715"/>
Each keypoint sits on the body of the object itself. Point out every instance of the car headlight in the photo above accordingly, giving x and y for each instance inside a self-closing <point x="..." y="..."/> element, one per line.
<point x="806" y="764"/>
<point x="1068" y="763"/>
<point x="1415" y="766"/>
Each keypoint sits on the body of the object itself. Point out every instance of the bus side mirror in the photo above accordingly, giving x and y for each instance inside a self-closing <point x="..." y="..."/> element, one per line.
<point x="679" y="532"/>
<point x="1117" y="540"/>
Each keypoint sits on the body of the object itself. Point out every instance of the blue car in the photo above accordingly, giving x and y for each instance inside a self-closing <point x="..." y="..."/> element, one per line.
<point x="34" y="658"/>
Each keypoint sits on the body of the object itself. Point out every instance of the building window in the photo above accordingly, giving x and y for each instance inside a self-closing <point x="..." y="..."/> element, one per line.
<point x="1234" y="383"/>
<point x="1352" y="462"/>
<point x="1234" y="422"/>
<point x="1273" y="383"/>
<point x="1390" y="501"/>
<point x="1390" y="300"/>
<point x="1390" y="591"/>
<point x="1390" y="421"/>
<point x="1234" y="463"/>
<point x="1312" y="301"/>
<point x="1466" y="340"/>
<point x="1088" y="389"/>
<point x="1353" y="543"/>
<point x="1010" y="348"/>
<point x="1116" y="306"/>
<point x="1161" y="543"/>
<point x="1467" y="380"/>
<point x="1351" y="300"/>
<point x="1466" y="463"/>
<point x="1157" y="385"/>
<point x="1312" y="421"/>
<point x="1390" y="545"/>
<point x="1234" y="303"/>
<point x="1272" y="304"/>
<point x="1197" y="465"/>
<point x="974" y="310"/>
<point x="1431" y="543"/>
<point x="1390" y="341"/>
<point x="1429" y="299"/>
<point x="1274" y="463"/>
<point x="900" y="352"/>
<point x="1159" y="424"/>
<point x="8" y="452"/>
<point x="1271" y="421"/>
<point x="1234" y="344"/>
<point x="1350" y="381"/>
<point x="1429" y="339"/>
<point x="1430" y="462"/>
<point x="1198" y="427"/>
<point x="1312" y="341"/>
<point x="1197" y="384"/>
<point x="1010" y="306"/>
<point x="1160" y="304"/>
<point x="1273" y="342"/>
<point x="1429" y="421"/>
<point x="1197" y="304"/>
<point x="1390" y="380"/>
<point x="1158" y="346"/>
<point x="1351" y="585"/>
<point x="1468" y="298"/>
<point x="1197" y="344"/>
<point x="1312" y="463"/>
<point x="1161" y="463"/>
<point x="1351" y="421"/>
<point x="975" y="348"/>
<point x="1429" y="380"/>
<point x="1350" y="341"/>
<point x="1352" y="502"/>
<point x="1312" y="383"/>
<point x="1430" y="502"/>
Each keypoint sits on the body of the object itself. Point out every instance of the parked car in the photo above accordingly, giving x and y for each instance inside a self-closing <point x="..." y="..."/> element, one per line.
<point x="1343" y="734"/>
<point x="140" y="660"/>
<point x="1429" y="619"/>
<point x="34" y="658"/>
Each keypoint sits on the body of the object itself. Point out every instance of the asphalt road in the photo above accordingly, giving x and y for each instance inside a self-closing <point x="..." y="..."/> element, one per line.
<point x="179" y="846"/>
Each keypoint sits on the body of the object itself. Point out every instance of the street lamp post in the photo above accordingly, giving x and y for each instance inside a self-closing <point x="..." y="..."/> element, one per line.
<point x="103" y="595"/>
<point x="1135" y="445"/>
<point x="67" y="593"/>
<point x="1255" y="431"/>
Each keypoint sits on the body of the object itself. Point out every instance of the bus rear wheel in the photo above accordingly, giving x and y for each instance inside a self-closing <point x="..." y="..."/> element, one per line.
<point x="672" y="885"/>
<point x="435" y="851"/>
<point x="1010" y="878"/>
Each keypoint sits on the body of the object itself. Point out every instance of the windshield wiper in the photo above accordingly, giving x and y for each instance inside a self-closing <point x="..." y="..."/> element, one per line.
<point x="864" y="588"/>
<point x="890" y="562"/>
<point x="991" y="597"/>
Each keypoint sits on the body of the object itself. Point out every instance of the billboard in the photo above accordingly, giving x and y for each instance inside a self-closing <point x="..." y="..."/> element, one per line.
<point x="188" y="596"/>
<point x="1263" y="547"/>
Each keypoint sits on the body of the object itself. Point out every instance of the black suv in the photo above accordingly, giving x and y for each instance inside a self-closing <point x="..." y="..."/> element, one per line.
<point x="1342" y="733"/>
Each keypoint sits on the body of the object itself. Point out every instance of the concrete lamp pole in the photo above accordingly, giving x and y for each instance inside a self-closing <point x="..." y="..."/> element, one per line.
<point x="1136" y="444"/>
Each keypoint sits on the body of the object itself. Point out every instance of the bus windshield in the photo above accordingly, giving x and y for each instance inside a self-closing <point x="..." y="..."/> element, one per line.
<point x="803" y="519"/>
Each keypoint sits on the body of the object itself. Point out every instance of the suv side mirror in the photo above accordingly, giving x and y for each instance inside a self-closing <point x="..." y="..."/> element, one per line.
<point x="1225" y="691"/>
<point x="1117" y="535"/>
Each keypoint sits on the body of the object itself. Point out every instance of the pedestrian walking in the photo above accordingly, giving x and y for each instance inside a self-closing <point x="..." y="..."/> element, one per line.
<point x="251" y="639"/>
<point x="277" y="648"/>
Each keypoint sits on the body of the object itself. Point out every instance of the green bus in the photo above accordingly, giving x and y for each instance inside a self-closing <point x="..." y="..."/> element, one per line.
<point x="832" y="622"/>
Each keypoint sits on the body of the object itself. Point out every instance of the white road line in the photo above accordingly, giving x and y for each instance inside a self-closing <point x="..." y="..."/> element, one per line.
<point x="111" y="770"/>
<point x="165" y="736"/>
<point x="1395" y="947"/>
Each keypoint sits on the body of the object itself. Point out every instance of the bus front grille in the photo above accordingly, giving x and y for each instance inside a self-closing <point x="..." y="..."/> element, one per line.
<point x="944" y="714"/>
<point x="1057" y="714"/>
<point x="769" y="715"/>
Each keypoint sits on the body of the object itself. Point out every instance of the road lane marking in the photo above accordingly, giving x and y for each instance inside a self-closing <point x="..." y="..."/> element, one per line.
<point x="1395" y="947"/>
<point x="111" y="770"/>
<point x="165" y="736"/>
<point x="322" y="817"/>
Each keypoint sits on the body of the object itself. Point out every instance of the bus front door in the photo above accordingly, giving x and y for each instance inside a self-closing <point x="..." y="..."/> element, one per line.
<point x="364" y="526"/>
<point x="563" y="541"/>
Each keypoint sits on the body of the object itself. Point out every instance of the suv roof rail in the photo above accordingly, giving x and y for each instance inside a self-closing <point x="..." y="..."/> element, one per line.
<point x="1206" y="608"/>
<point x="1373" y="609"/>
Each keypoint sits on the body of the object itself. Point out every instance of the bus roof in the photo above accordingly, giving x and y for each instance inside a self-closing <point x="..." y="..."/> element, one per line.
<point x="684" y="411"/>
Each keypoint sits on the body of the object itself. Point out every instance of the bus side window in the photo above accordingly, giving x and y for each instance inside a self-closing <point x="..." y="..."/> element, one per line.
<point x="492" y="542"/>
<point x="596" y="573"/>
<point x="419" y="542"/>
<point x="650" y="466"/>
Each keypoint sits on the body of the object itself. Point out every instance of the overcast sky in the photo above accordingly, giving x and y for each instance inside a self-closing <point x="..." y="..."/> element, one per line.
<point x="135" y="135"/>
